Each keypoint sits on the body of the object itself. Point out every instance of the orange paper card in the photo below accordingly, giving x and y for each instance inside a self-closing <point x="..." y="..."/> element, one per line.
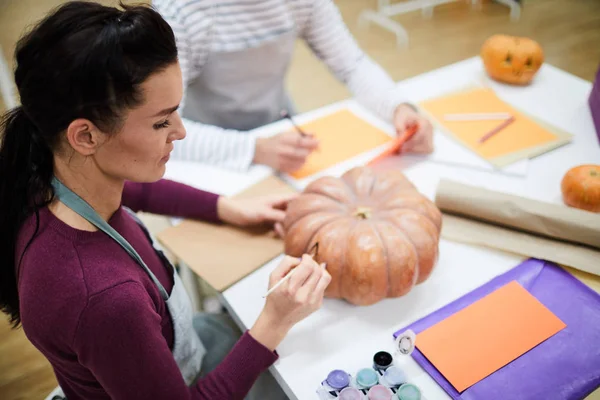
<point x="488" y="334"/>
<point x="342" y="135"/>
<point x="522" y="134"/>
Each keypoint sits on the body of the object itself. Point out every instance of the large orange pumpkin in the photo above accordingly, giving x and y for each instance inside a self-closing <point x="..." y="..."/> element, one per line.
<point x="378" y="235"/>
<point x="580" y="187"/>
<point x="512" y="59"/>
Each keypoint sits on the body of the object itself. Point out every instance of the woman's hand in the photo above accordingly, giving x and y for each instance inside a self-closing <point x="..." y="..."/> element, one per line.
<point x="296" y="299"/>
<point x="422" y="141"/>
<point x="255" y="211"/>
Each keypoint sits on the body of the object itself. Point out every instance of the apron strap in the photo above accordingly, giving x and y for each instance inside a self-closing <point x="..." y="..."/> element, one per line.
<point x="81" y="207"/>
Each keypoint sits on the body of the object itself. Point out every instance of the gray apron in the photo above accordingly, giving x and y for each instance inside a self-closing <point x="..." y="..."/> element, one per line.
<point x="188" y="350"/>
<point x="243" y="89"/>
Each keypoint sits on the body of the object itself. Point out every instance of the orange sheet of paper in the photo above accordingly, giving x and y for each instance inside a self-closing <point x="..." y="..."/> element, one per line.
<point x="342" y="135"/>
<point x="522" y="134"/>
<point x="488" y="334"/>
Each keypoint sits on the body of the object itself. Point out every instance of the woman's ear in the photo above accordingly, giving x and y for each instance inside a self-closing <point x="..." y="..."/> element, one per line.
<point x="84" y="137"/>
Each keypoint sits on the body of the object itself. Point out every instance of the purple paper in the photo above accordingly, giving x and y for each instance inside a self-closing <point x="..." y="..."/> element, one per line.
<point x="564" y="367"/>
<point x="594" y="102"/>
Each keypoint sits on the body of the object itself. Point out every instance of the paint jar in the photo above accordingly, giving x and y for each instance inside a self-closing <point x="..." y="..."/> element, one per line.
<point x="393" y="377"/>
<point x="382" y="360"/>
<point x="408" y="391"/>
<point x="350" y="393"/>
<point x="366" y="378"/>
<point x="405" y="342"/>
<point x="380" y="392"/>
<point x="338" y="379"/>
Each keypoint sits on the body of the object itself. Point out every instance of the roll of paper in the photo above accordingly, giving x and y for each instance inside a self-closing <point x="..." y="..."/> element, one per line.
<point x="524" y="226"/>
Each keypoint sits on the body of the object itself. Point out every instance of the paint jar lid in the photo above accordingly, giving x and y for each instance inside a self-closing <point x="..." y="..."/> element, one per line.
<point x="382" y="360"/>
<point x="394" y="376"/>
<point x="350" y="393"/>
<point x="408" y="391"/>
<point x="379" y="392"/>
<point x="405" y="342"/>
<point x="338" y="379"/>
<point x="367" y="377"/>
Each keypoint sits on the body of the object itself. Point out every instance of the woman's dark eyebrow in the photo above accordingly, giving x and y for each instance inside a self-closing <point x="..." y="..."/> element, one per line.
<point x="166" y="111"/>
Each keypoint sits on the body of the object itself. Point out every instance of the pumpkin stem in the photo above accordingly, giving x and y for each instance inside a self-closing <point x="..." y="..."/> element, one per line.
<point x="594" y="172"/>
<point x="362" y="213"/>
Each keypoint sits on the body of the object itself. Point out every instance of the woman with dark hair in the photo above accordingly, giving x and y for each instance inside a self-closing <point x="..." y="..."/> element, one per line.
<point x="99" y="91"/>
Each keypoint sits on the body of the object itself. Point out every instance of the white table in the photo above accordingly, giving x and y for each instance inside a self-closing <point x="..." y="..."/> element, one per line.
<point x="344" y="336"/>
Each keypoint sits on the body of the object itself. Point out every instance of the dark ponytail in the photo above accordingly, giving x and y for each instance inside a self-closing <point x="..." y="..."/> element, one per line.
<point x="84" y="60"/>
<point x="25" y="164"/>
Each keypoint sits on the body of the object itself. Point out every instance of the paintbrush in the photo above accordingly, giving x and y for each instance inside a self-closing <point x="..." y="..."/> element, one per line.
<point x="314" y="250"/>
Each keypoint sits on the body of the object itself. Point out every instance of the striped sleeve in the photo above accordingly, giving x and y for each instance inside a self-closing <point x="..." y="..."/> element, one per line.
<point x="204" y="143"/>
<point x="328" y="37"/>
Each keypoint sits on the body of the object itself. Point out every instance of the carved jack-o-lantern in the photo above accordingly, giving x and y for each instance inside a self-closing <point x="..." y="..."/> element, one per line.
<point x="512" y="59"/>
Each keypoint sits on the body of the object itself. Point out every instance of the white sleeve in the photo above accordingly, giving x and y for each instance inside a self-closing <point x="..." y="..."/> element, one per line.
<point x="328" y="37"/>
<point x="208" y="144"/>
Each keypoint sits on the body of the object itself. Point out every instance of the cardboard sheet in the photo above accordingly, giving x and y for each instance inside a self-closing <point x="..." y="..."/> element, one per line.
<point x="342" y="135"/>
<point x="524" y="138"/>
<point x="488" y="334"/>
<point x="523" y="226"/>
<point x="223" y="254"/>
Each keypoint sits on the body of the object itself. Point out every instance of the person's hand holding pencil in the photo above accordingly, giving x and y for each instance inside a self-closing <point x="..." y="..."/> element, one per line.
<point x="405" y="118"/>
<point x="287" y="151"/>
<point x="297" y="297"/>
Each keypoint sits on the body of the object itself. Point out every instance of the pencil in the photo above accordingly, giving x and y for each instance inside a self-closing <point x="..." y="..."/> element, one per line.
<point x="496" y="130"/>
<point x="396" y="145"/>
<point x="285" y="114"/>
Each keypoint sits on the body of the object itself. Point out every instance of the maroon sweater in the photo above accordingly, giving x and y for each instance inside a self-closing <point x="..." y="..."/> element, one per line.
<point x="100" y="320"/>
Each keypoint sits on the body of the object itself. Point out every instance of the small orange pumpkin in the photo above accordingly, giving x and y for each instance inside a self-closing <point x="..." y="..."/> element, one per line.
<point x="512" y="59"/>
<point x="581" y="187"/>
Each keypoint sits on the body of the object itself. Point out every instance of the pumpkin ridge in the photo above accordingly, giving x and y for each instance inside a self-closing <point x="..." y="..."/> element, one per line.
<point x="385" y="252"/>
<point x="393" y="194"/>
<point x="343" y="263"/>
<point x="331" y="219"/>
<point x="350" y="190"/>
<point x="412" y="243"/>
<point x="437" y="239"/>
<point x="372" y="186"/>
<point x="342" y="210"/>
<point x="388" y="210"/>
<point x="329" y="197"/>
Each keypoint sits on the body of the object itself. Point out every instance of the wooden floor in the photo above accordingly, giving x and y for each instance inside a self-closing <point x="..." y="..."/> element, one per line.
<point x="568" y="30"/>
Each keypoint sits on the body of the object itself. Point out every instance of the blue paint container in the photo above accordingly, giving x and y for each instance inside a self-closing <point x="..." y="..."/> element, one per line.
<point x="367" y="378"/>
<point x="394" y="377"/>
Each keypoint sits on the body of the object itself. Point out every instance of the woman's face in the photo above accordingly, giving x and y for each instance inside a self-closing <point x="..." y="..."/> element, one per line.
<point x="141" y="149"/>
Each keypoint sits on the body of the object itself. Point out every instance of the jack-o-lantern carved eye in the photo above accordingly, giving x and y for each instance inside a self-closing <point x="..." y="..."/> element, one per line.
<point x="529" y="63"/>
<point x="508" y="58"/>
